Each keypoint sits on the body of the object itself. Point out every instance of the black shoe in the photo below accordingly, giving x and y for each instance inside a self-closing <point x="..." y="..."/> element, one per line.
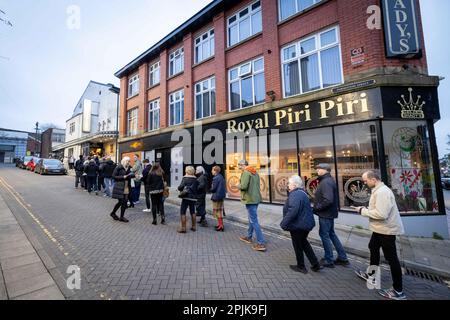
<point x="114" y="216"/>
<point x="299" y="269"/>
<point x="154" y="222"/>
<point x="316" y="268"/>
<point x="123" y="219"/>
<point x="326" y="264"/>
<point x="340" y="262"/>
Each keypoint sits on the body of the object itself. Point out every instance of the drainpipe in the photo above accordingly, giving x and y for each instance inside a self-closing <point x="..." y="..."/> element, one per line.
<point x="116" y="91"/>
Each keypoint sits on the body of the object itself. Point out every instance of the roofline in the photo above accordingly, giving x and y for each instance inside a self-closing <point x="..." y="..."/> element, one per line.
<point x="12" y="130"/>
<point x="137" y="61"/>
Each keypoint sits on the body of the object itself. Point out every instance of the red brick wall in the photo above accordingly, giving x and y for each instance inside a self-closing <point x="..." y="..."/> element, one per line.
<point x="350" y="15"/>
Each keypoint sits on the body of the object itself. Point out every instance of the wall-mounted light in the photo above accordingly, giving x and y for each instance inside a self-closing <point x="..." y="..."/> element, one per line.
<point x="271" y="94"/>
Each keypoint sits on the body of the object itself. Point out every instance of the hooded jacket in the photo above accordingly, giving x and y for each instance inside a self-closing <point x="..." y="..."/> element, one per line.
<point x="250" y="186"/>
<point x="326" y="198"/>
<point x="383" y="214"/>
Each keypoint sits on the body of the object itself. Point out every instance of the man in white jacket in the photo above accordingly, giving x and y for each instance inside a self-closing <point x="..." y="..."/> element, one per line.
<point x="386" y="224"/>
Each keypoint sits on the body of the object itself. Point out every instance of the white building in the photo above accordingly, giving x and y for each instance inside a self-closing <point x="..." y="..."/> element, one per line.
<point x="93" y="127"/>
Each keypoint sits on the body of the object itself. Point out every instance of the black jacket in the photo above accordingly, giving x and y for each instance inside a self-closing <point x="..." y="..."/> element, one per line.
<point x="202" y="187"/>
<point x="79" y="165"/>
<point x="154" y="183"/>
<point x="91" y="170"/>
<point x="326" y="198"/>
<point x="297" y="213"/>
<point x="191" y="183"/>
<point x="119" y="185"/>
<point x="145" y="173"/>
<point x="107" y="168"/>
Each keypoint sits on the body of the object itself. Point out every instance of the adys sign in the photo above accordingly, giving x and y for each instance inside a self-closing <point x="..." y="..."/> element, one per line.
<point x="401" y="28"/>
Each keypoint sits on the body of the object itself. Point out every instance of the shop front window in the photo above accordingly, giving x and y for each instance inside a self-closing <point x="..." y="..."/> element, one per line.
<point x="356" y="153"/>
<point x="256" y="157"/>
<point x="409" y="166"/>
<point x="315" y="146"/>
<point x="284" y="166"/>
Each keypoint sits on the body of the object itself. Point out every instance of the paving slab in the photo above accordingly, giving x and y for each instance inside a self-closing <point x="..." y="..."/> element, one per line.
<point x="49" y="293"/>
<point x="29" y="285"/>
<point x="24" y="272"/>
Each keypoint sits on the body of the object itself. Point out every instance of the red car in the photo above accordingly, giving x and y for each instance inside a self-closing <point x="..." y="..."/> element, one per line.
<point x="32" y="164"/>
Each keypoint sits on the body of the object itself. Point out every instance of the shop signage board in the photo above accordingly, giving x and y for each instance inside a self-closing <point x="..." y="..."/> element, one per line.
<point x="357" y="56"/>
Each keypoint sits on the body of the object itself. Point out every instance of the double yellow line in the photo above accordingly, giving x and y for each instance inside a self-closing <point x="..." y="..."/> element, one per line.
<point x="26" y="206"/>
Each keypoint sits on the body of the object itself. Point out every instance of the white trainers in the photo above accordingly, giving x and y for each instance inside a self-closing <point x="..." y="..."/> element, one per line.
<point x="147" y="210"/>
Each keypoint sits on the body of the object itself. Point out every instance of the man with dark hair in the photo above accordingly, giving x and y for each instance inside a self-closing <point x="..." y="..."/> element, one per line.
<point x="79" y="169"/>
<point x="326" y="207"/>
<point x="385" y="223"/>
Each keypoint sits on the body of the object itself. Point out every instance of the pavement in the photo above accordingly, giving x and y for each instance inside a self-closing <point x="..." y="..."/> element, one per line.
<point x="141" y="261"/>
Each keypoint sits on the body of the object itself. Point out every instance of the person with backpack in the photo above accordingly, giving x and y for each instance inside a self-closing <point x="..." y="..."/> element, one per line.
<point x="298" y="219"/>
<point x="79" y="169"/>
<point x="218" y="195"/>
<point x="200" y="205"/>
<point x="188" y="194"/>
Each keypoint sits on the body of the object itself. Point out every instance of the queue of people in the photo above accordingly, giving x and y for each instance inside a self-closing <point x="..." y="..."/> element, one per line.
<point x="298" y="212"/>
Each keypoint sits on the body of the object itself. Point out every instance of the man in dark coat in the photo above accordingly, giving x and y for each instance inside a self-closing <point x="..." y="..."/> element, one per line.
<point x="122" y="176"/>
<point x="326" y="207"/>
<point x="107" y="170"/>
<point x="200" y="206"/>
<point x="79" y="169"/>
<point x="91" y="171"/>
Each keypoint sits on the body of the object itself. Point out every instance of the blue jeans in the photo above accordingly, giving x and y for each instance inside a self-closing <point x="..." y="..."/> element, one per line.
<point x="136" y="191"/>
<point x="253" y="224"/>
<point x="329" y="238"/>
<point x="109" y="184"/>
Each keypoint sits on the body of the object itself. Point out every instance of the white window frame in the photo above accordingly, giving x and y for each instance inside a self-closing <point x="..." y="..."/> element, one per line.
<point x="154" y="108"/>
<point x="244" y="75"/>
<point x="154" y="69"/>
<point x="318" y="49"/>
<point x="211" y="88"/>
<point x="236" y="15"/>
<point x="174" y="97"/>
<point x="132" y="115"/>
<point x="297" y="10"/>
<point x="72" y="128"/>
<point x="199" y="42"/>
<point x="177" y="54"/>
<point x="131" y="82"/>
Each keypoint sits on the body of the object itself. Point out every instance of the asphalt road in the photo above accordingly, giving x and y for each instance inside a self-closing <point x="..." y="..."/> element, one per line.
<point x="141" y="261"/>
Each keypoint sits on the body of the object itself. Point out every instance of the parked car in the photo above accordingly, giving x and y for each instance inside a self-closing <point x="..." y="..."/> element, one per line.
<point x="25" y="161"/>
<point x="50" y="166"/>
<point x="445" y="181"/>
<point x="32" y="163"/>
<point x="19" y="162"/>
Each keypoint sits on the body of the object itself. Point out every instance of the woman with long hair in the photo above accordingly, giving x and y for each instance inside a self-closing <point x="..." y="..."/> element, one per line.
<point x="122" y="176"/>
<point x="155" y="185"/>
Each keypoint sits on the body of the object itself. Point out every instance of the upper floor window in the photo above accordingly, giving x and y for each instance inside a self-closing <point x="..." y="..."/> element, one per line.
<point x="132" y="122"/>
<point x="176" y="62"/>
<point x="288" y="8"/>
<point x="72" y="128"/>
<point x="246" y="84"/>
<point x="176" y="108"/>
<point x="205" y="98"/>
<point x="154" y="76"/>
<point x="245" y="23"/>
<point x="312" y="63"/>
<point x="204" y="46"/>
<point x="133" y="86"/>
<point x="153" y="115"/>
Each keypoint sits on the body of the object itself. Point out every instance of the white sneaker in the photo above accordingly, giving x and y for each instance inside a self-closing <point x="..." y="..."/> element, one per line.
<point x="147" y="210"/>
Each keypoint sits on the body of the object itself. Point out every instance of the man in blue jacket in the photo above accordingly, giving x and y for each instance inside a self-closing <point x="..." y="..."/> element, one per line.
<point x="326" y="207"/>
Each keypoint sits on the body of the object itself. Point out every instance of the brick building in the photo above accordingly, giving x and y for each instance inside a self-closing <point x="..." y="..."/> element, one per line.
<point x="337" y="81"/>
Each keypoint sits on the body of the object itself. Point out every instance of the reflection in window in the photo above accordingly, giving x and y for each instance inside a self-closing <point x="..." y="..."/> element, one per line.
<point x="356" y="153"/>
<point x="409" y="166"/>
<point x="283" y="167"/>
<point x="316" y="146"/>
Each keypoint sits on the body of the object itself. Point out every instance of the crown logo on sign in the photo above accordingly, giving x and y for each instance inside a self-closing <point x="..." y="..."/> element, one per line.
<point x="411" y="108"/>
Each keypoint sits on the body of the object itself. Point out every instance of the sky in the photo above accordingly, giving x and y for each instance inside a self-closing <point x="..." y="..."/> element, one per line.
<point x="47" y="58"/>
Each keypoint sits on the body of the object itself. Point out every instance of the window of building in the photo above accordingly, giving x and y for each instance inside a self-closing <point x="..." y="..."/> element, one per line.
<point x="154" y="76"/>
<point x="72" y="128"/>
<point x="356" y="153"/>
<point x="246" y="84"/>
<point x="176" y="62"/>
<point x="284" y="164"/>
<point x="132" y="117"/>
<point x="133" y="86"/>
<point x="244" y="23"/>
<point x="153" y="115"/>
<point x="288" y="8"/>
<point x="315" y="146"/>
<point x="410" y="167"/>
<point x="176" y="108"/>
<point x="312" y="63"/>
<point x="204" y="46"/>
<point x="205" y="98"/>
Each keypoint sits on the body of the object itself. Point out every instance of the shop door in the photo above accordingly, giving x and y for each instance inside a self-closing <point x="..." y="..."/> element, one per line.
<point x="176" y="166"/>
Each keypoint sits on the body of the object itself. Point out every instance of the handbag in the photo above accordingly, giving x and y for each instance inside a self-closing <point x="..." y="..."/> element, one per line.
<point x="133" y="184"/>
<point x="184" y="193"/>
<point x="166" y="191"/>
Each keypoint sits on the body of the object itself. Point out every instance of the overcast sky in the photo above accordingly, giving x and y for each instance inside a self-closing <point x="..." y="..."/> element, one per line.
<point x="45" y="65"/>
